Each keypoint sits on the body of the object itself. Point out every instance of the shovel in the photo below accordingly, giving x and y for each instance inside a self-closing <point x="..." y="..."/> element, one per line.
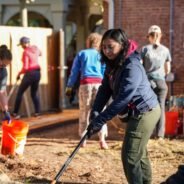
<point x="63" y="168"/>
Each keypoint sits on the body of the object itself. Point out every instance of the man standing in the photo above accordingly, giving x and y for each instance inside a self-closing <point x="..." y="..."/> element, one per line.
<point x="31" y="71"/>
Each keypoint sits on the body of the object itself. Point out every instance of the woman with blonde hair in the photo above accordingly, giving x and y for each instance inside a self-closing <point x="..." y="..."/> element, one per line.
<point x="157" y="63"/>
<point x="87" y="64"/>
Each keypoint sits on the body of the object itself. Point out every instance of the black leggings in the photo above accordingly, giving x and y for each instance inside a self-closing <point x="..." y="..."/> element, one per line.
<point x="30" y="79"/>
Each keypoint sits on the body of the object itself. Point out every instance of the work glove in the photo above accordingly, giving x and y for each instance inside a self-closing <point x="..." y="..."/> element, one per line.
<point x="68" y="92"/>
<point x="95" y="126"/>
<point x="7" y="116"/>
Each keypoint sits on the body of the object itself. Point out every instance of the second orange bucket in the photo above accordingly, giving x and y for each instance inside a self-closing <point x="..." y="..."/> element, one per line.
<point x="171" y="126"/>
<point x="13" y="137"/>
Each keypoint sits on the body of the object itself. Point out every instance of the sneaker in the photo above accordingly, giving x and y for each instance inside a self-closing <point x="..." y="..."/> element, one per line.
<point x="37" y="114"/>
<point x="103" y="145"/>
<point x="15" y="116"/>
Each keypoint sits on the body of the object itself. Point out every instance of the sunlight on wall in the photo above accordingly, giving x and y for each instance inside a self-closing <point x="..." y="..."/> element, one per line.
<point x="38" y="37"/>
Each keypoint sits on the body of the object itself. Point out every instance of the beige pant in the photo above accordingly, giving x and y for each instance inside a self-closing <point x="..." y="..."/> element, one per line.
<point x="87" y="94"/>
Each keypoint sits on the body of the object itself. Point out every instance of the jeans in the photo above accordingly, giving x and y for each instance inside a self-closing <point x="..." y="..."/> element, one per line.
<point x="161" y="92"/>
<point x="30" y="79"/>
<point x="134" y="153"/>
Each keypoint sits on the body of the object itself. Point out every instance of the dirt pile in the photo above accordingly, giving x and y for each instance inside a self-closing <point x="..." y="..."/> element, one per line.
<point x="46" y="151"/>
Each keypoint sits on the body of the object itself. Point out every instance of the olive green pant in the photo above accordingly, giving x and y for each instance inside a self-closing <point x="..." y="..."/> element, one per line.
<point x="134" y="154"/>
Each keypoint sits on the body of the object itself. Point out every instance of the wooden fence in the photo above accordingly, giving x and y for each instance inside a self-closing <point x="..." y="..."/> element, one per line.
<point x="51" y="44"/>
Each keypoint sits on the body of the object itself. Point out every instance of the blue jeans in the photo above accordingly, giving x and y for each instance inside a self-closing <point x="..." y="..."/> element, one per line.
<point x="30" y="79"/>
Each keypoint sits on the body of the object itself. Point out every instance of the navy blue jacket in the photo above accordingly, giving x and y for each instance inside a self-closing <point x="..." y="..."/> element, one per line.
<point x="128" y="85"/>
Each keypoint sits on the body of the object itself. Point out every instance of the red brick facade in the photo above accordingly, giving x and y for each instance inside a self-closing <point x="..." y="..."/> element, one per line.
<point x="135" y="17"/>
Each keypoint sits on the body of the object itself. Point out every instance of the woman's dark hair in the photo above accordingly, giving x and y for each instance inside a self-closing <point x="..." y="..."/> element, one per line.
<point x="5" y="53"/>
<point x="119" y="36"/>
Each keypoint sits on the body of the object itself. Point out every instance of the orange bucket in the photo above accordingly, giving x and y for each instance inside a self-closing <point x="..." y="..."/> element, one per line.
<point x="13" y="137"/>
<point x="171" y="127"/>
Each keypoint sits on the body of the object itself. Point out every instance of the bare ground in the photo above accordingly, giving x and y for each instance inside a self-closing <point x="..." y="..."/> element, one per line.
<point x="47" y="150"/>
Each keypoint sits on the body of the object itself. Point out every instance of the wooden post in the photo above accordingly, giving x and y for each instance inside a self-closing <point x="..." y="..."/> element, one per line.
<point x="24" y="23"/>
<point x="62" y="99"/>
<point x="23" y="12"/>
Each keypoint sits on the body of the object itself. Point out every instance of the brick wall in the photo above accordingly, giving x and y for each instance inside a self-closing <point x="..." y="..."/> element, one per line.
<point x="136" y="16"/>
<point x="178" y="47"/>
<point x="105" y="14"/>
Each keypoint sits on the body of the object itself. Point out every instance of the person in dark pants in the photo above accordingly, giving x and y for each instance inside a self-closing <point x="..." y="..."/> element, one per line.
<point x="126" y="82"/>
<point x="176" y="178"/>
<point x="31" y="71"/>
<point x="5" y="60"/>
<point x="156" y="61"/>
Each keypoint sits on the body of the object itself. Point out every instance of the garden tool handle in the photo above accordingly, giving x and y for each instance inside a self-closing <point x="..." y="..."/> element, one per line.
<point x="12" y="89"/>
<point x="63" y="168"/>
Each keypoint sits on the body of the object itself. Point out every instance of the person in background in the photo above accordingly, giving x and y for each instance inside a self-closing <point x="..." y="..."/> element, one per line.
<point x="126" y="82"/>
<point x="5" y="60"/>
<point x="177" y="177"/>
<point x="87" y="64"/>
<point x="31" y="71"/>
<point x="157" y="63"/>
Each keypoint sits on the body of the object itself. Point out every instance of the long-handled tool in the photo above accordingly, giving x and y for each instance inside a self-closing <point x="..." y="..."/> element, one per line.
<point x="63" y="168"/>
<point x="25" y="98"/>
<point x="12" y="89"/>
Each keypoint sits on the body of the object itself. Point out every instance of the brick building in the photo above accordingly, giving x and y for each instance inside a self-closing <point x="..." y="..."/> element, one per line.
<point x="77" y="18"/>
<point x="135" y="17"/>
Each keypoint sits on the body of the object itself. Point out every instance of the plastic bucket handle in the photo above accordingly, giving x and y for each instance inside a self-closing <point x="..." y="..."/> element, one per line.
<point x="17" y="142"/>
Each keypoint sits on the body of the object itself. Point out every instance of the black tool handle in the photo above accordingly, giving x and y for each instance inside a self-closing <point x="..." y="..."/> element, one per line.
<point x="63" y="168"/>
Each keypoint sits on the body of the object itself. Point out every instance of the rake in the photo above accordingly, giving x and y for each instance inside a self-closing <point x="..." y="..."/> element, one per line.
<point x="63" y="168"/>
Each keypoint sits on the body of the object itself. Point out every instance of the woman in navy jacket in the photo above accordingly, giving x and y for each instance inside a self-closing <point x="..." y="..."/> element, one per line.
<point x="126" y="82"/>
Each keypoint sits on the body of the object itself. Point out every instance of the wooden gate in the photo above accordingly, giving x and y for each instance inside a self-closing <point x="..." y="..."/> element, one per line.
<point x="50" y="44"/>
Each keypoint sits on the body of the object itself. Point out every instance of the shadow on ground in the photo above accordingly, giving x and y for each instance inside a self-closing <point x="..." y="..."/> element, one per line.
<point x="34" y="180"/>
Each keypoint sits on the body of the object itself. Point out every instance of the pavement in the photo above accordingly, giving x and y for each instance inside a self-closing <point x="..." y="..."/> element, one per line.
<point x="52" y="119"/>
